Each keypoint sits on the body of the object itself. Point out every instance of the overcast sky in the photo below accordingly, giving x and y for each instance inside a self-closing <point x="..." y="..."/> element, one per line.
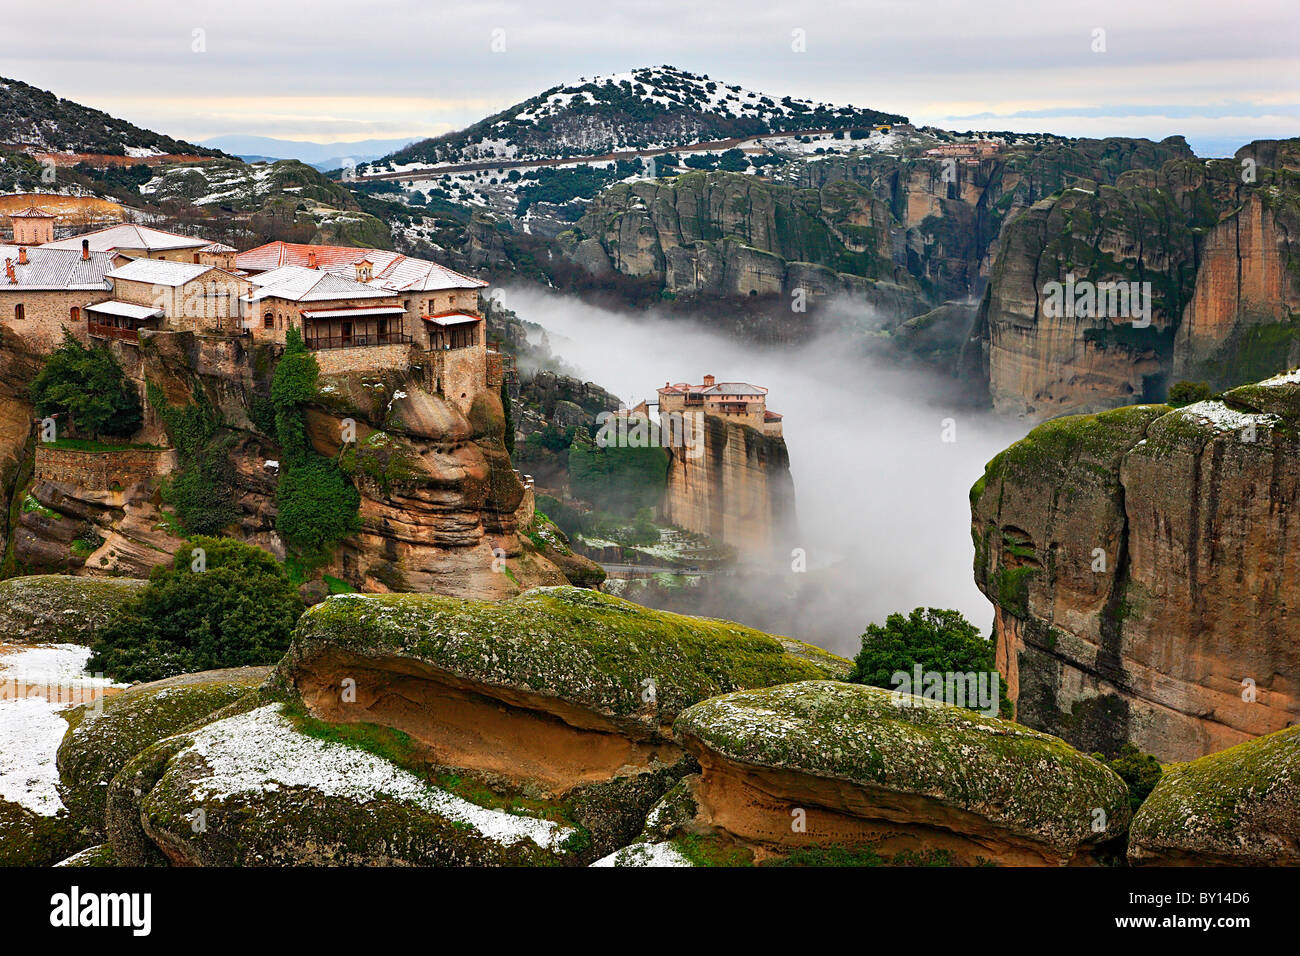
<point x="336" y="71"/>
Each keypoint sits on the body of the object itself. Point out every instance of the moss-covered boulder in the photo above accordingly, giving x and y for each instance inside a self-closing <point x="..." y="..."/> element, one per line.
<point x="59" y="608"/>
<point x="266" y="787"/>
<point x="559" y="694"/>
<point x="92" y="856"/>
<point x="553" y="544"/>
<point x="645" y="854"/>
<point x="832" y="765"/>
<point x="33" y="839"/>
<point x="1238" y="807"/>
<point x="103" y="736"/>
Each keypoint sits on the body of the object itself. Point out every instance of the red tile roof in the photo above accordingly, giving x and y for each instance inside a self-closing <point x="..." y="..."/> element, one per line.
<point x="392" y="270"/>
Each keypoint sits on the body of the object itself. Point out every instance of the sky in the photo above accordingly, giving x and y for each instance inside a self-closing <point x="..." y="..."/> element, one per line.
<point x="333" y="71"/>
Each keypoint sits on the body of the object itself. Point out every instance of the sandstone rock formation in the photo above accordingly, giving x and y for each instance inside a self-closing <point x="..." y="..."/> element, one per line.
<point x="411" y="729"/>
<point x="1217" y="246"/>
<point x="441" y="507"/>
<point x="822" y="765"/>
<point x="59" y="609"/>
<point x="1239" y="807"/>
<point x="1144" y="572"/>
<point x="737" y="489"/>
<point x="101" y="738"/>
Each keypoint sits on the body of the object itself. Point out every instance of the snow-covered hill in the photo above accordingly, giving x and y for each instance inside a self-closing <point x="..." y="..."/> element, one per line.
<point x="652" y="108"/>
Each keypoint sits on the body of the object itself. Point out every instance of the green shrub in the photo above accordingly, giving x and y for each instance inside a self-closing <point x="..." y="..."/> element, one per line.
<point x="235" y="609"/>
<point x="939" y="640"/>
<point x="87" y="387"/>
<point x="1188" y="393"/>
<point x="619" y="480"/>
<point x="1140" y="771"/>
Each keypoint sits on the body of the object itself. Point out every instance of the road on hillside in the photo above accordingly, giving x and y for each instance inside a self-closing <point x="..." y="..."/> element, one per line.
<point x="709" y="147"/>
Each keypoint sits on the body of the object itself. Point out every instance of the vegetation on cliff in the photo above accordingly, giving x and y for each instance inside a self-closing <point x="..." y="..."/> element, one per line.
<point x="221" y="604"/>
<point x="317" y="504"/>
<point x="203" y="491"/>
<point x="88" y="390"/>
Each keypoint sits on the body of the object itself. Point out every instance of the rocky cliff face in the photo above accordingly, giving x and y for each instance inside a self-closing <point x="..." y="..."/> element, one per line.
<point x="738" y="491"/>
<point x="724" y="234"/>
<point x="1215" y="240"/>
<point x="442" y="510"/>
<point x="1143" y="567"/>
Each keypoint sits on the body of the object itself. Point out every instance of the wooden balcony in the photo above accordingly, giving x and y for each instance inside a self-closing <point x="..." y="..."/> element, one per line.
<point x="357" y="341"/>
<point x="100" y="331"/>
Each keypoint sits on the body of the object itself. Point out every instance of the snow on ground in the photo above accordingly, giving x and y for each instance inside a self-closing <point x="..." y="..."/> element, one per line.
<point x="645" y="854"/>
<point x="36" y="684"/>
<point x="262" y="751"/>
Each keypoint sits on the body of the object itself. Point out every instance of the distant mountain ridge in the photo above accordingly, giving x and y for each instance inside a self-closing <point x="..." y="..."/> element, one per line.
<point x="646" y="108"/>
<point x="32" y="117"/>
<point x="324" y="156"/>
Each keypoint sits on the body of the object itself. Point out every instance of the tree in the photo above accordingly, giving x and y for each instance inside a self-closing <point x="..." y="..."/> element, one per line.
<point x="316" y="504"/>
<point x="1139" y="770"/>
<point x="939" y="640"/>
<point x="1188" y="393"/>
<point x="510" y="421"/>
<point x="87" y="386"/>
<point x="221" y="603"/>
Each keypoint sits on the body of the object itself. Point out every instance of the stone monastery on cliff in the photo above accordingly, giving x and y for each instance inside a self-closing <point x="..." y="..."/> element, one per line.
<point x="359" y="309"/>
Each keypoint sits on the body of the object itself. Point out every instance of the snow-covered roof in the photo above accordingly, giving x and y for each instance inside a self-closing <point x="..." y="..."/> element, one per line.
<point x="298" y="284"/>
<point x="719" y="388"/>
<point x="358" y="313"/>
<point x="160" y="272"/>
<point x="451" y="318"/>
<point x="129" y="236"/>
<point x="218" y="247"/>
<point x="32" y="212"/>
<point x="124" y="309"/>
<point x="392" y="271"/>
<point x="49" y="269"/>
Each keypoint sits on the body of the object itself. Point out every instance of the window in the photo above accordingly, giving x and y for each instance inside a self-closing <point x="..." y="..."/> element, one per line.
<point x="268" y="321"/>
<point x="19" y="312"/>
<point x="74" y="314"/>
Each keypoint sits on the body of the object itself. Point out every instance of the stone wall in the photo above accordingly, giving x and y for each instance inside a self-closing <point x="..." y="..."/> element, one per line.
<point x="456" y="374"/>
<point x="369" y="358"/>
<point x="46" y="315"/>
<point x="102" y="470"/>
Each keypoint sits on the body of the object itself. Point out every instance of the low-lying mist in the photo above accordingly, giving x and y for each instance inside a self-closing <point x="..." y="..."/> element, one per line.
<point x="882" y="498"/>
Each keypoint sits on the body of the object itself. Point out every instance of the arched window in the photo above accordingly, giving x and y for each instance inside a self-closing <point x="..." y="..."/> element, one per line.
<point x="75" y="314"/>
<point x="20" y="313"/>
<point x="268" y="321"/>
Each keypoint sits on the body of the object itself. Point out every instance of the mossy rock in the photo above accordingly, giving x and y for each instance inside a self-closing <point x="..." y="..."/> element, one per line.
<point x="868" y="756"/>
<point x="1240" y="806"/>
<point x="32" y="839"/>
<point x="645" y="854"/>
<point x="633" y="666"/>
<point x="553" y="544"/>
<point x="60" y="608"/>
<point x="103" y="736"/>
<point x="254" y="789"/>
<point x="92" y="856"/>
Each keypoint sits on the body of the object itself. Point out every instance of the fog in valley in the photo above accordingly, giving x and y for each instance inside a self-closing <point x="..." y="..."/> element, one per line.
<point x="883" y="508"/>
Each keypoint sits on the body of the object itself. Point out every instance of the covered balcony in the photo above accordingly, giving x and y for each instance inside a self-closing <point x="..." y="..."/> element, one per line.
<point x="453" y="330"/>
<point x="120" y="321"/>
<point x="354" y="328"/>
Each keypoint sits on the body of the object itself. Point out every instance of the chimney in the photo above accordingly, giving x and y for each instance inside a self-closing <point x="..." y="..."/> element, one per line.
<point x="85" y="250"/>
<point x="9" y="271"/>
<point x="311" y="260"/>
<point x="709" y="380"/>
<point x="22" y="255"/>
